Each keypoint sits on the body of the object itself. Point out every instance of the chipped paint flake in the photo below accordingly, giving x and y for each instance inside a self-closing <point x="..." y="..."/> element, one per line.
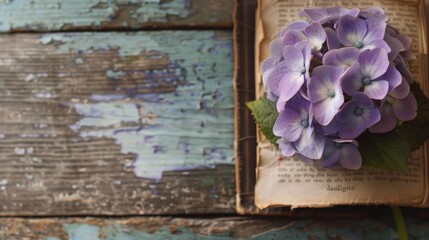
<point x="79" y="61"/>
<point x="114" y="74"/>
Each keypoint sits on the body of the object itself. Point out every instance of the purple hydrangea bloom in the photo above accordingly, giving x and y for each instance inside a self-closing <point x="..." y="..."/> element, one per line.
<point x="356" y="116"/>
<point x="342" y="152"/>
<point x="295" y="125"/>
<point x="323" y="15"/>
<point x="400" y="104"/>
<point x="325" y="93"/>
<point x="372" y="73"/>
<point x="362" y="34"/>
<point x="335" y="76"/>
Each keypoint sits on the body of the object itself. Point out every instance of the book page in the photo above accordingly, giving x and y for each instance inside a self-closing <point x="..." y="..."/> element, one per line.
<point x="286" y="181"/>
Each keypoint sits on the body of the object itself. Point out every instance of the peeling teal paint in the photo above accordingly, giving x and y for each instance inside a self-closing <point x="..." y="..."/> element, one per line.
<point x="16" y="14"/>
<point x="191" y="127"/>
<point x="154" y="10"/>
<point x="82" y="231"/>
<point x="52" y="238"/>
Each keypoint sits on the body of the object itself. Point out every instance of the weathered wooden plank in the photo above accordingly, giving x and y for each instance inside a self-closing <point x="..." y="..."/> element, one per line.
<point x="205" y="228"/>
<point x="116" y="123"/>
<point x="55" y="15"/>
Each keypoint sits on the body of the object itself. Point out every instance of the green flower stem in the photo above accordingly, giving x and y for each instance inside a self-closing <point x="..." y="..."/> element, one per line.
<point x="400" y="223"/>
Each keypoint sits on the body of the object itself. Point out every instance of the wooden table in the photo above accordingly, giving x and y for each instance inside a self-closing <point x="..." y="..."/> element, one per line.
<point x="117" y="123"/>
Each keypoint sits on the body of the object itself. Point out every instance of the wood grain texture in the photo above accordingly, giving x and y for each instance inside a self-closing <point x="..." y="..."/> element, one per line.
<point x="61" y="15"/>
<point x="116" y="123"/>
<point x="206" y="228"/>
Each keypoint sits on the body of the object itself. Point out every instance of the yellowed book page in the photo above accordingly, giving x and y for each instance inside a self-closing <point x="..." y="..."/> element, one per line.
<point x="286" y="181"/>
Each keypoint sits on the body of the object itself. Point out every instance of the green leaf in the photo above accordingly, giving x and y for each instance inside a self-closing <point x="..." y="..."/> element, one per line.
<point x="265" y="114"/>
<point x="416" y="131"/>
<point x="385" y="151"/>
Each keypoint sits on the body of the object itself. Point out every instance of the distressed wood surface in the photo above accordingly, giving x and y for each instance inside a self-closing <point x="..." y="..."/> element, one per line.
<point x="206" y="228"/>
<point x="116" y="123"/>
<point x="61" y="15"/>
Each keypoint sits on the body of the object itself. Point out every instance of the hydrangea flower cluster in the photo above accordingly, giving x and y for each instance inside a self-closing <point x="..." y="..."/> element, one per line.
<point x="335" y="76"/>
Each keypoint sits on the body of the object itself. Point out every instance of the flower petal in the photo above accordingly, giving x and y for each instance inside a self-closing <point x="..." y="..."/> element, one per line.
<point x="350" y="157"/>
<point x="292" y="37"/>
<point x="315" y="14"/>
<point x="310" y="144"/>
<point x="373" y="63"/>
<point x="351" y="81"/>
<point x="374" y="12"/>
<point x="377" y="89"/>
<point x="294" y="59"/>
<point x="387" y="121"/>
<point x="395" y="46"/>
<point x="353" y="128"/>
<point x="406" y="109"/>
<point x="324" y="81"/>
<point x="332" y="39"/>
<point x="377" y="43"/>
<point x="267" y="64"/>
<point x="363" y="100"/>
<point x="405" y="40"/>
<point x="371" y="117"/>
<point x="343" y="56"/>
<point x="376" y="29"/>
<point x="290" y="85"/>
<point x="274" y="78"/>
<point x="316" y="35"/>
<point x="297" y="25"/>
<point x="324" y="111"/>
<point x="276" y="48"/>
<point x="286" y="148"/>
<point x="317" y="90"/>
<point x="330" y="154"/>
<point x="402" y="67"/>
<point x="341" y="11"/>
<point x="331" y="128"/>
<point x="288" y="125"/>
<point x="267" y="67"/>
<point x="303" y="158"/>
<point x="351" y="30"/>
<point x="400" y="91"/>
<point x="392" y="76"/>
<point x="305" y="48"/>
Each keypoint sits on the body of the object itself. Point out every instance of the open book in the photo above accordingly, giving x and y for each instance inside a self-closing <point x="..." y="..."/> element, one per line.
<point x="289" y="182"/>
